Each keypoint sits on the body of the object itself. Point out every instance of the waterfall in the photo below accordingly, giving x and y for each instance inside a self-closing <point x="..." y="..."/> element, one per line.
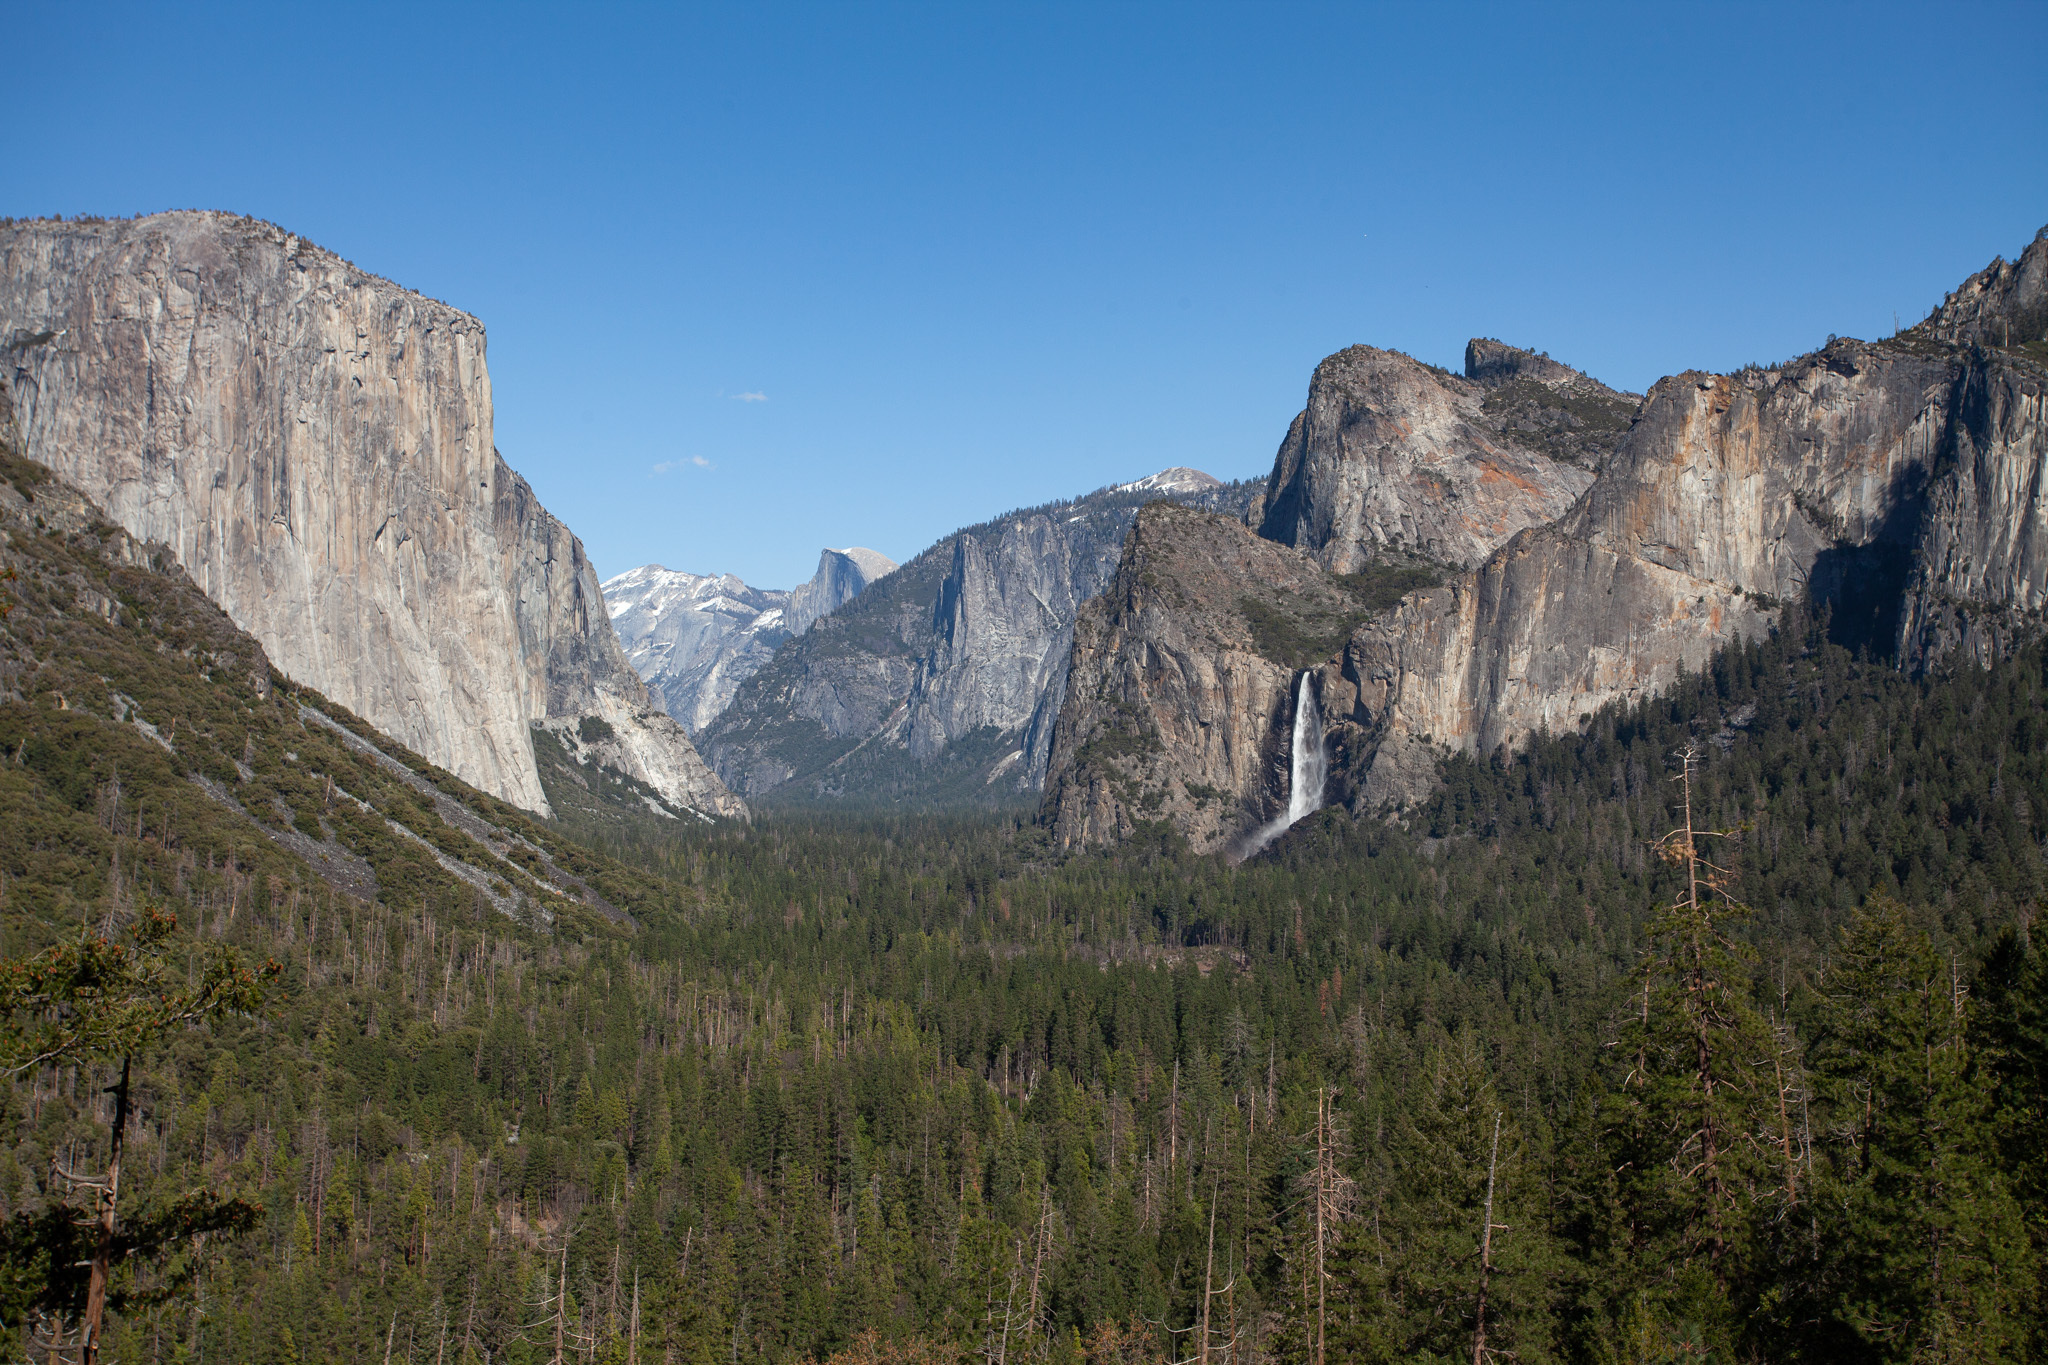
<point x="1307" y="768"/>
<point x="1305" y="777"/>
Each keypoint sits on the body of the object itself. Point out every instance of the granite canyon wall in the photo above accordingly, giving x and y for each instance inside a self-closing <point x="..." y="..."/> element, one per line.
<point x="315" y="444"/>
<point x="1903" y="484"/>
<point x="940" y="683"/>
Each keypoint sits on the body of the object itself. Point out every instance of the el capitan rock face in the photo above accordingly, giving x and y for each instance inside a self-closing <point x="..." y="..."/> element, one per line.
<point x="315" y="445"/>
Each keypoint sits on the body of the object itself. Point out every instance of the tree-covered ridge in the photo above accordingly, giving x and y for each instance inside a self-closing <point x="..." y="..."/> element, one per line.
<point x="920" y="1078"/>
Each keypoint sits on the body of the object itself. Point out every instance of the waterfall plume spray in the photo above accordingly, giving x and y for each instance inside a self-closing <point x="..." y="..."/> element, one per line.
<point x="1306" y="769"/>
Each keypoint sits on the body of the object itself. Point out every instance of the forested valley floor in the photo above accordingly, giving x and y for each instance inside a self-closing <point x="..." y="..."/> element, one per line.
<point x="1521" y="1076"/>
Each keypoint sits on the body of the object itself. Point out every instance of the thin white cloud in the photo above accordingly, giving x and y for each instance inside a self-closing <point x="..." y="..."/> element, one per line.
<point x="755" y="397"/>
<point x="701" y="462"/>
<point x="694" y="461"/>
<point x="665" y="466"/>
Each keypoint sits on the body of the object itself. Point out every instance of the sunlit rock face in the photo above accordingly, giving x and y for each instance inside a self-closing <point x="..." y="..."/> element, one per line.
<point x="315" y="443"/>
<point x="1394" y="459"/>
<point x="940" y="683"/>
<point x="1898" y="481"/>
<point x="1175" y="708"/>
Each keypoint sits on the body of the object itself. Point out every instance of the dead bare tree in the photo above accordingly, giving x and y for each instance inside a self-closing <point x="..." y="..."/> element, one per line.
<point x="1327" y="1194"/>
<point x="1487" y="1228"/>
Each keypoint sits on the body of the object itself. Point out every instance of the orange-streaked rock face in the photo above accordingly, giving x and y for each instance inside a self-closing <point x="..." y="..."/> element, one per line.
<point x="1901" y="482"/>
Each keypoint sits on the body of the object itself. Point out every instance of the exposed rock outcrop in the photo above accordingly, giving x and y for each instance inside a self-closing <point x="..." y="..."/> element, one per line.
<point x="315" y="445"/>
<point x="842" y="576"/>
<point x="1394" y="459"/>
<point x="695" y="638"/>
<point x="942" y="681"/>
<point x="1183" y="686"/>
<point x="1898" y="482"/>
<point x="2003" y="305"/>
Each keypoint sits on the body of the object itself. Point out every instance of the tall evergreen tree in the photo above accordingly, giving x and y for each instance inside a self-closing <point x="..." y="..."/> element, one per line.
<point x="1930" y="1256"/>
<point x="2009" y="1030"/>
<point x="1696" y="1175"/>
<point x="1460" y="1264"/>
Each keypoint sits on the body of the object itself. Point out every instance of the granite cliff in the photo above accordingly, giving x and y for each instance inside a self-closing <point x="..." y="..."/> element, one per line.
<point x="314" y="444"/>
<point x="1897" y="482"/>
<point x="842" y="576"/>
<point x="1394" y="459"/>
<point x="942" y="681"/>
<point x="694" y="638"/>
<point x="1182" y="696"/>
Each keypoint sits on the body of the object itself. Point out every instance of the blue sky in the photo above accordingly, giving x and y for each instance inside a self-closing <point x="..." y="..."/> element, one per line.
<point x="759" y="279"/>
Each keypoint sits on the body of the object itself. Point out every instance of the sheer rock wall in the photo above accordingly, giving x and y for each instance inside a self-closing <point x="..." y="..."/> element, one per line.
<point x="315" y="444"/>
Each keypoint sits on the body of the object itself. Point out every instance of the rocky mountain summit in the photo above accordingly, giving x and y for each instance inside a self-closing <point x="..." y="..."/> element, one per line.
<point x="842" y="576"/>
<point x="1896" y="482"/>
<point x="942" y="681"/>
<point x="315" y="445"/>
<point x="1394" y="459"/>
<point x="694" y="638"/>
<point x="1177" y="480"/>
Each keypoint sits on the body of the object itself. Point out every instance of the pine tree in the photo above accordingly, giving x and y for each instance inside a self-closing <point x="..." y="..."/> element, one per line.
<point x="1462" y="1262"/>
<point x="88" y="1001"/>
<point x="2009" y="1031"/>
<point x="1696" y="1103"/>
<point x="1930" y="1258"/>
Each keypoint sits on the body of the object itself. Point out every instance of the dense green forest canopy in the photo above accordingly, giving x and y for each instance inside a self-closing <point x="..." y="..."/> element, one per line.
<point x="1518" y="1073"/>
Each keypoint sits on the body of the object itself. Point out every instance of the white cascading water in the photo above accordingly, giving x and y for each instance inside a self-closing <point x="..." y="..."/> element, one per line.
<point x="1306" y="770"/>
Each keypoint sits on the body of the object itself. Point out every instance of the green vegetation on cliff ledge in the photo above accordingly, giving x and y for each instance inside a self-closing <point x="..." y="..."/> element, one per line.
<point x="1302" y="630"/>
<point x="916" y="1087"/>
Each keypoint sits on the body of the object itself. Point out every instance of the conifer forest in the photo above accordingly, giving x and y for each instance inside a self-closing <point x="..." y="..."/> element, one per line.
<point x="1715" y="1030"/>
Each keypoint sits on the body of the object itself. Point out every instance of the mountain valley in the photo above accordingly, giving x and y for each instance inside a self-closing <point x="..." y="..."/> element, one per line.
<point x="1548" y="873"/>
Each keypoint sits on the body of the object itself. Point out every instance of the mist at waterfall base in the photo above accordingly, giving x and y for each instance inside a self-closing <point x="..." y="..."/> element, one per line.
<point x="1306" y="770"/>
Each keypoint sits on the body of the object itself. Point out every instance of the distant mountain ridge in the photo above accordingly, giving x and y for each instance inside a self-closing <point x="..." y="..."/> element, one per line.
<point x="694" y="638"/>
<point x="940" y="683"/>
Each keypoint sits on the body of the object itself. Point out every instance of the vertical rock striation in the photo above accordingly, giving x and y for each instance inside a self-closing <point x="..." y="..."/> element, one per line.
<point x="315" y="444"/>
<point x="842" y="576"/>
<point x="1901" y="483"/>
<point x="1184" y="680"/>
<point x="1180" y="701"/>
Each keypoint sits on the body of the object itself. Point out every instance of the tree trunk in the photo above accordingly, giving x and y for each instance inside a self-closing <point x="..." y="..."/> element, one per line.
<point x="103" y="1253"/>
<point x="1486" y="1251"/>
<point x="1323" y="1190"/>
<point x="562" y="1305"/>
<point x="1208" y="1280"/>
<point x="633" y="1324"/>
